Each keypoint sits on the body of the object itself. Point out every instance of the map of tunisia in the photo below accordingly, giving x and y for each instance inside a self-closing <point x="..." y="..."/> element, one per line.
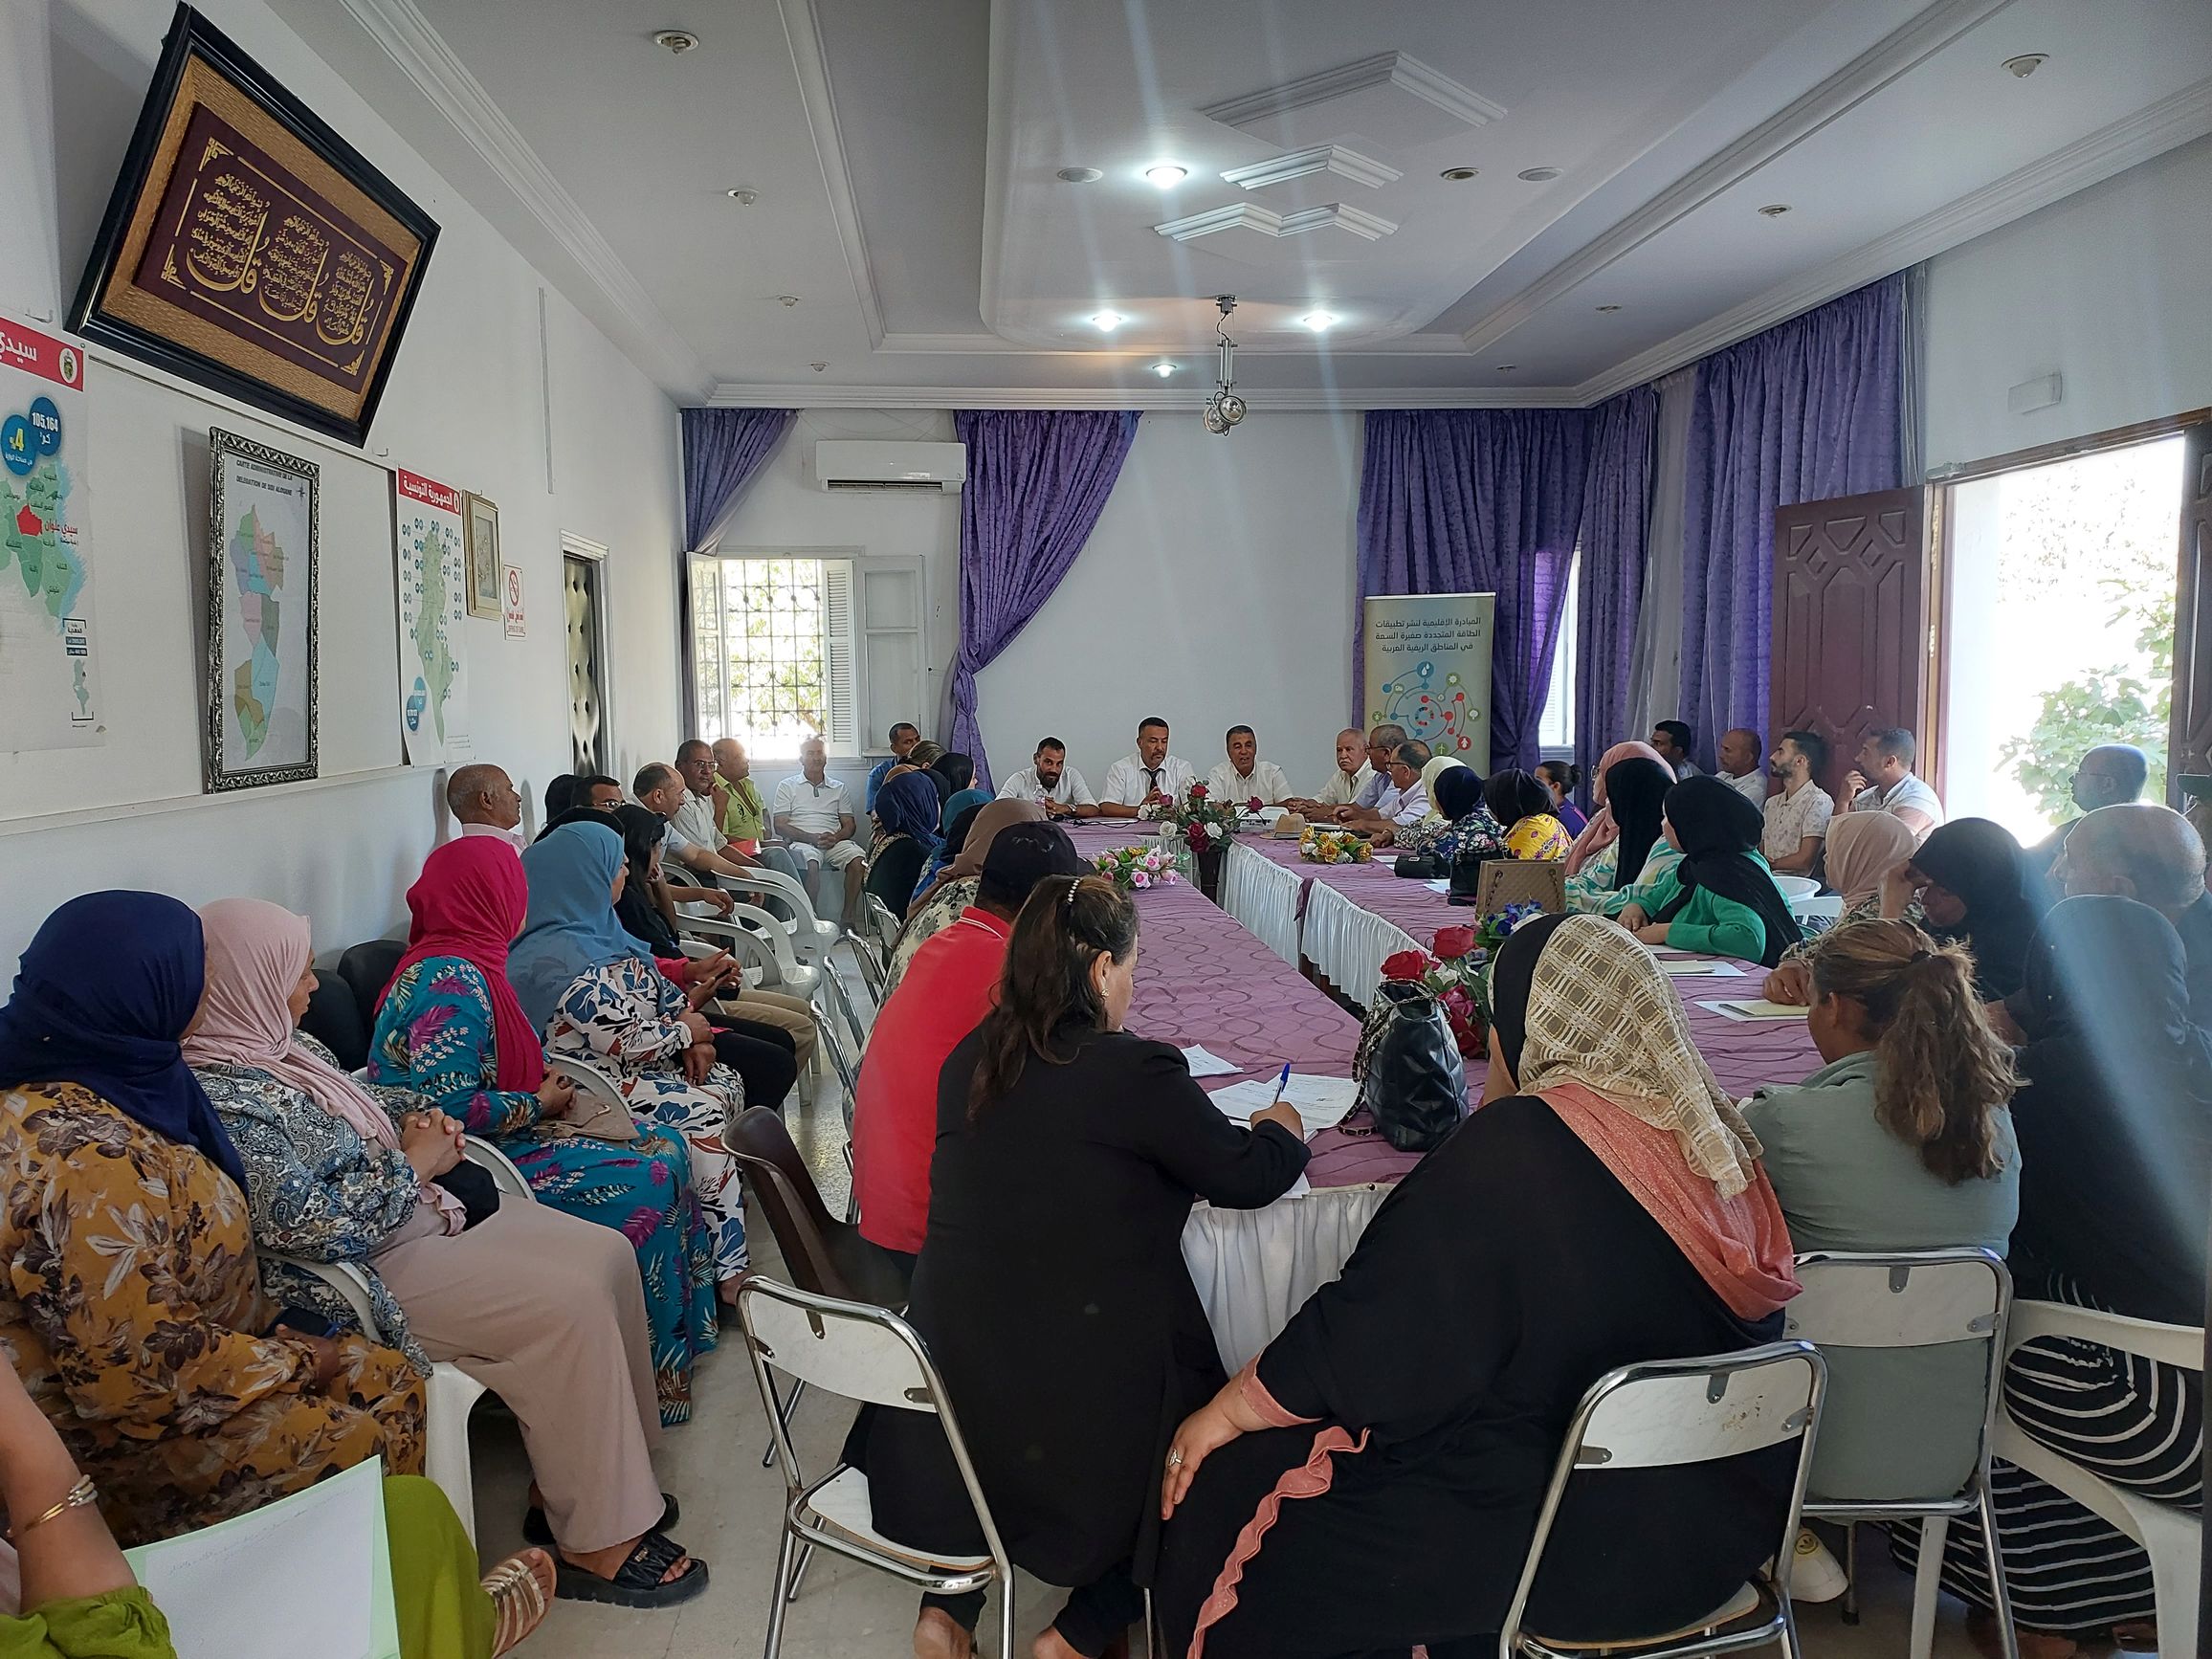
<point x="257" y="572"/>
<point x="429" y="630"/>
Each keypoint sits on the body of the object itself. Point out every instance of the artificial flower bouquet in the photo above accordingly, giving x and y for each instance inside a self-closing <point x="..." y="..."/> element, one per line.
<point x="1454" y="970"/>
<point x="1203" y="823"/>
<point x="1319" y="846"/>
<point x="1136" y="867"/>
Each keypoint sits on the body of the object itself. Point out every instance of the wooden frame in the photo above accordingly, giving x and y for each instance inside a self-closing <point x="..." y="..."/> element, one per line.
<point x="248" y="248"/>
<point x="252" y="575"/>
<point x="480" y="539"/>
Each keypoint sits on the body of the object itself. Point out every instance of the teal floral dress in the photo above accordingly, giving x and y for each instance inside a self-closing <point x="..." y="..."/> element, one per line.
<point x="434" y="1036"/>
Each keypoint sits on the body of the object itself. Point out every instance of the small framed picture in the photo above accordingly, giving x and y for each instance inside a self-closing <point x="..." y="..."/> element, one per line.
<point x="486" y="596"/>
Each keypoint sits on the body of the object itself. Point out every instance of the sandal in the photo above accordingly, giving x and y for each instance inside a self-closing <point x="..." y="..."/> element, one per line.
<point x="538" y="1529"/>
<point x="522" y="1591"/>
<point x="637" y="1582"/>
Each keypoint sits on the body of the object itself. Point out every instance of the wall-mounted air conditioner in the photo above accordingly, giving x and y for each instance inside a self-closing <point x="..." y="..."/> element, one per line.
<point x="850" y="464"/>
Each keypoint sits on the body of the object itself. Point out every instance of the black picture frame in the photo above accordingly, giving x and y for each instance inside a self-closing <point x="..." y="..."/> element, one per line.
<point x="192" y="39"/>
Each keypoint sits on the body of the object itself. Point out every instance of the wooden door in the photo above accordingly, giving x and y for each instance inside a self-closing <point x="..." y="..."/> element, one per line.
<point x="2189" y="740"/>
<point x="1850" y="621"/>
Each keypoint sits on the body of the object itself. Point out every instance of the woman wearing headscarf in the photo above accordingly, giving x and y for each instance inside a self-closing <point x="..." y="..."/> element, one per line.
<point x="451" y="1029"/>
<point x="543" y="1309"/>
<point x="1602" y="830"/>
<point x="1862" y="848"/>
<point x="957" y="770"/>
<point x="2114" y="1121"/>
<point x="1603" y="1207"/>
<point x="959" y="817"/>
<point x="1626" y="869"/>
<point x="1521" y="803"/>
<point x="955" y="889"/>
<point x="1974" y="887"/>
<point x="1720" y="898"/>
<point x="907" y="814"/>
<point x="597" y="993"/>
<point x="1437" y="766"/>
<point x="1459" y="822"/>
<point x="131" y="1305"/>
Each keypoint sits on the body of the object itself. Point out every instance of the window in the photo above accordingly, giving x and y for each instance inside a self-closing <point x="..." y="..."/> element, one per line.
<point x="790" y="646"/>
<point x="1556" y="727"/>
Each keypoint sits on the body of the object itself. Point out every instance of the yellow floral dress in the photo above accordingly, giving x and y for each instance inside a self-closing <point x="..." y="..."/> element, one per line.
<point x="131" y="1307"/>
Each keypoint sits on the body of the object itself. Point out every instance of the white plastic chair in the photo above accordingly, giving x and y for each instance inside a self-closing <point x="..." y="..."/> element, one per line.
<point x="1797" y="886"/>
<point x="862" y="1354"/>
<point x="752" y="934"/>
<point x="807" y="934"/>
<point x="1676" y="1412"/>
<point x="1916" y="1299"/>
<point x="1816" y="906"/>
<point x="2172" y="1537"/>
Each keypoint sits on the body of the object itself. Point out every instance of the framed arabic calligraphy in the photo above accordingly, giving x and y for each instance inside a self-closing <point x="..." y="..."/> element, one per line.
<point x="250" y="247"/>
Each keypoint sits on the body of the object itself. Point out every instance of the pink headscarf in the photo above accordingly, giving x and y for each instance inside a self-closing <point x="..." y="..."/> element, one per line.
<point x="1600" y="832"/>
<point x="471" y="901"/>
<point x="256" y="952"/>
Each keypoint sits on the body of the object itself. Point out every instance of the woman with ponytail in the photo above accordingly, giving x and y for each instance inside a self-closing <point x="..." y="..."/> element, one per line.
<point x="1052" y="1288"/>
<point x="1901" y="1141"/>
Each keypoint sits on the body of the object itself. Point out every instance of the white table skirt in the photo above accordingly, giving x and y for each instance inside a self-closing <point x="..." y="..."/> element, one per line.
<point x="1263" y="896"/>
<point x="1349" y="944"/>
<point x="1255" y="1268"/>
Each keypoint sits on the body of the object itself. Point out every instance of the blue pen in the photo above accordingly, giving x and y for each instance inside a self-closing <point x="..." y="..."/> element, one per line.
<point x="1281" y="1083"/>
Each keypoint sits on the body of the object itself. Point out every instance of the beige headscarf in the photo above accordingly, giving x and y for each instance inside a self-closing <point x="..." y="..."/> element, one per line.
<point x="1863" y="848"/>
<point x="1429" y="773"/>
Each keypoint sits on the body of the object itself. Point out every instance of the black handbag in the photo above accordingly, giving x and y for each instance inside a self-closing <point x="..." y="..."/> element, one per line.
<point x="1466" y="875"/>
<point x="1411" y="1080"/>
<point x="1421" y="867"/>
<point x="473" y="1184"/>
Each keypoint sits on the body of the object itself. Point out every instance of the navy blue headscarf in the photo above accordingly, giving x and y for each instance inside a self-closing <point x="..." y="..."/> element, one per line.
<point x="101" y="999"/>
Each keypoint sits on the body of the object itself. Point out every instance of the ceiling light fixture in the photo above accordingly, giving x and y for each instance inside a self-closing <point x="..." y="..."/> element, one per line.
<point x="1079" y="175"/>
<point x="677" y="41"/>
<point x="1163" y="369"/>
<point x="1505" y="368"/>
<point x="1609" y="308"/>
<point x="1166" y="175"/>
<point x="817" y="368"/>
<point x="745" y="198"/>
<point x="1318" y="321"/>
<point x="1107" y="321"/>
<point x="786" y="301"/>
<point x="1539" y="175"/>
<point x="2027" y="63"/>
<point x="1223" y="409"/>
<point x="1774" y="209"/>
<point x="1459" y="175"/>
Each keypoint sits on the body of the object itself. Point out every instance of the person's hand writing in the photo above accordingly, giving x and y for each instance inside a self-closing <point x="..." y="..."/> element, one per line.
<point x="1635" y="918"/>
<point x="1655" y="934"/>
<point x="432" y="1142"/>
<point x="697" y="1061"/>
<point x="1283" y="1114"/>
<point x="1790" y="984"/>
<point x="1901" y="884"/>
<point x="555" y="1095"/>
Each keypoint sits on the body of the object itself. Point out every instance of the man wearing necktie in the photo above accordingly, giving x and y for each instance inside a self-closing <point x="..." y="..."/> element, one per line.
<point x="1151" y="776"/>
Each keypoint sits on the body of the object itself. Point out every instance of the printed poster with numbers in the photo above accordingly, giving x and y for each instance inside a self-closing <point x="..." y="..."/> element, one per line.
<point x="49" y="673"/>
<point x="433" y="599"/>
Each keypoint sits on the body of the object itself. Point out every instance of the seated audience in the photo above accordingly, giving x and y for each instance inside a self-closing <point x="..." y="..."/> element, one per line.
<point x="948" y="987"/>
<point x="1626" y="869"/>
<point x="1522" y="806"/>
<point x="941" y="903"/>
<point x="1603" y="1207"/>
<point x="1675" y="740"/>
<point x="449" y="1027"/>
<point x="1797" y="815"/>
<point x="132" y="1306"/>
<point x="1459" y="824"/>
<point x="924" y="754"/>
<point x="1602" y="830"/>
<point x="1383" y="743"/>
<point x="660" y="788"/>
<point x="1069" y="1153"/>
<point x="573" y="789"/>
<point x="814" y="817"/>
<point x="1353" y="773"/>
<point x="1973" y="885"/>
<point x="1559" y="778"/>
<point x="959" y="801"/>
<point x="958" y="822"/>
<point x="906" y="820"/>
<point x="1437" y="766"/>
<point x="543" y="1309"/>
<point x="1051" y="783"/>
<point x="1244" y="777"/>
<point x="1403" y="802"/>
<point x="594" y="992"/>
<point x="2108" y="775"/>
<point x="1720" y="898"/>
<point x="1741" y="748"/>
<point x="484" y="802"/>
<point x="1900" y="1141"/>
<point x="903" y="737"/>
<point x="1883" y="782"/>
<point x="1151" y="777"/>
<point x="2115" y="1168"/>
<point x="2154" y="855"/>
<point x="954" y="772"/>
<point x="1862" y="848"/>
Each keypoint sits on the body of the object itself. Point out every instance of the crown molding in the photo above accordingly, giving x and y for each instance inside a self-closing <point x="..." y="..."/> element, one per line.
<point x="421" y="53"/>
<point x="1251" y="217"/>
<point x="1334" y="159"/>
<point x="735" y="395"/>
<point x="803" y="32"/>
<point x="1383" y="69"/>
<point x="1884" y="62"/>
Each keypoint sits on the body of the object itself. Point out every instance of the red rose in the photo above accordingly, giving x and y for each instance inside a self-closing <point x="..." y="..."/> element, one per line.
<point x="1198" y="791"/>
<point x="1195" y="834"/>
<point x="1454" y="943"/>
<point x="1407" y="965"/>
<point x="1254" y="804"/>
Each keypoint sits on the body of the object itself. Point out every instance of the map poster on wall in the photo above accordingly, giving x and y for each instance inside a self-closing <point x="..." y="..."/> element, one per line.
<point x="434" y="676"/>
<point x="48" y="680"/>
<point x="1429" y="670"/>
<point x="262" y="625"/>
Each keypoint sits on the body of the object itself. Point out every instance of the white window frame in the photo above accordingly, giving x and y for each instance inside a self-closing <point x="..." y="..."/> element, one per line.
<point x="1566" y="661"/>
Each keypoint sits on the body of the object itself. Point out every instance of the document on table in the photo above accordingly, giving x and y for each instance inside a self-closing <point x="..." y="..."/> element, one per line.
<point x="1205" y="1065"/>
<point x="1700" y="968"/>
<point x="247" y="1588"/>
<point x="1755" y="1008"/>
<point x="1442" y="884"/>
<point x="1323" y="1102"/>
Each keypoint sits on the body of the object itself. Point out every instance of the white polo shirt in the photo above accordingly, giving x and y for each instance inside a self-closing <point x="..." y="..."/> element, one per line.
<point x="1266" y="780"/>
<point x="1070" y="791"/>
<point x="814" y="808"/>
<point x="1343" y="788"/>
<point x="1407" y="808"/>
<point x="1791" y="818"/>
<point x="693" y="824"/>
<point x="1752" y="786"/>
<point x="1129" y="781"/>
<point x="512" y="837"/>
<point x="1909" y="792"/>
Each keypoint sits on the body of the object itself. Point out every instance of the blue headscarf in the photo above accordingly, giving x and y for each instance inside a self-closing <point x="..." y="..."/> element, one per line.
<point x="907" y="804"/>
<point x="572" y="926"/>
<point x="962" y="800"/>
<point x="101" y="999"/>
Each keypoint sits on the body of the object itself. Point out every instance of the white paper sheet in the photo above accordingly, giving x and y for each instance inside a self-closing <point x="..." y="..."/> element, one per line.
<point x="1700" y="968"/>
<point x="1323" y="1102"/>
<point x="1754" y="1010"/>
<point x="1205" y="1065"/>
<point x="1443" y="884"/>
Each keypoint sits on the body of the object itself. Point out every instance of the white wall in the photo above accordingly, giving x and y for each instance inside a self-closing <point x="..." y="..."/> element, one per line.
<point x="2110" y="288"/>
<point x="464" y="404"/>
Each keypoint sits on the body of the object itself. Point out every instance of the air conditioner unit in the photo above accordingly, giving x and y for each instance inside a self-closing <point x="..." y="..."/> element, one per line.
<point x="847" y="464"/>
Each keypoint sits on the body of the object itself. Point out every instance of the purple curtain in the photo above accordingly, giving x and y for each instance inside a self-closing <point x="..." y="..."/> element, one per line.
<point x="1810" y="409"/>
<point x="1616" y="519"/>
<point x="723" y="448"/>
<point x="1479" y="501"/>
<point x="1036" y="483"/>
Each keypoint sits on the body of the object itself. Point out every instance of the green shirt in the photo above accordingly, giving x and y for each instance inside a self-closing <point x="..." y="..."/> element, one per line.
<point x="1710" y="924"/>
<point x="118" y="1624"/>
<point x="743" y="817"/>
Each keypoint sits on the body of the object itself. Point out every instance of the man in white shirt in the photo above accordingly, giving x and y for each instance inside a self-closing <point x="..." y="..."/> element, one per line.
<point x="484" y="801"/>
<point x="1151" y="776"/>
<point x="1244" y="777"/>
<point x="1739" y="767"/>
<point x="1675" y="740"/>
<point x="1381" y="746"/>
<point x="813" y="816"/>
<point x="1797" y="817"/>
<point x="1051" y="783"/>
<point x="1351" y="775"/>
<point x="660" y="788"/>
<point x="1405" y="797"/>
<point x="1883" y="782"/>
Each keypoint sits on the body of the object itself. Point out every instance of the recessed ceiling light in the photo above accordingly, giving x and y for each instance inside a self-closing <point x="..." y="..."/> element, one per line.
<point x="786" y="301"/>
<point x="1458" y="175"/>
<point x="1775" y="210"/>
<point x="745" y="198"/>
<point x="1167" y="175"/>
<point x="1081" y="175"/>
<point x="676" y="40"/>
<point x="1538" y="175"/>
<point x="1609" y="308"/>
<point x="1504" y="367"/>
<point x="2027" y="63"/>
<point x="1108" y="321"/>
<point x="817" y="368"/>
<point x="1318" y="321"/>
<point x="1163" y="369"/>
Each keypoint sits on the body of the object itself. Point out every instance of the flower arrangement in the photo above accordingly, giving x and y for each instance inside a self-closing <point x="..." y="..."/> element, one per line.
<point x="1453" y="971"/>
<point x="1137" y="867"/>
<point x="1199" y="820"/>
<point x="1335" y="846"/>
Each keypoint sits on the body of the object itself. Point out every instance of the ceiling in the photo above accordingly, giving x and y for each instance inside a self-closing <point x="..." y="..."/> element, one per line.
<point x="912" y="243"/>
